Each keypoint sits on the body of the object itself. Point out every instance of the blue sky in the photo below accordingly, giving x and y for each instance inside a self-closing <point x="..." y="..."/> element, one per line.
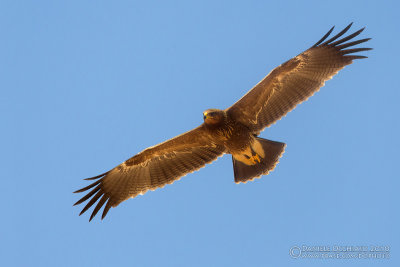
<point x="87" y="84"/>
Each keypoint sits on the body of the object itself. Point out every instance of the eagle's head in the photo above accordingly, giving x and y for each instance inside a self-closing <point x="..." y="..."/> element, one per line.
<point x="214" y="116"/>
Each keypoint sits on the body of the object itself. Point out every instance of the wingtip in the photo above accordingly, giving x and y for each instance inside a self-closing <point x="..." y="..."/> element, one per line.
<point x="358" y="32"/>
<point x="79" y="201"/>
<point x="96" y="177"/>
<point x="323" y="38"/>
<point x="356" y="57"/>
<point x="362" y="29"/>
<point x="91" y="178"/>
<point x="84" y="209"/>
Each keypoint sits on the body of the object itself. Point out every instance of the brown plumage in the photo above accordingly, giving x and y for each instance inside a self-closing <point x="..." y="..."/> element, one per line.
<point x="232" y="131"/>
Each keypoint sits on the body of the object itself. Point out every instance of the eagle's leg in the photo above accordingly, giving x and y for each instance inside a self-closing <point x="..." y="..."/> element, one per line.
<point x="251" y="160"/>
<point x="252" y="155"/>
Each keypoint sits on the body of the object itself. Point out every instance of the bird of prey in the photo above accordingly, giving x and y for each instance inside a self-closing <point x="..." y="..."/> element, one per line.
<point x="232" y="131"/>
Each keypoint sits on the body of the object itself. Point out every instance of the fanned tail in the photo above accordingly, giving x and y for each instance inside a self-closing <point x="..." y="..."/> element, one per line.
<point x="273" y="151"/>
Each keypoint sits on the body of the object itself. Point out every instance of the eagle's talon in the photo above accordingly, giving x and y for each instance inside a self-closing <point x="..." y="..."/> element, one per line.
<point x="255" y="159"/>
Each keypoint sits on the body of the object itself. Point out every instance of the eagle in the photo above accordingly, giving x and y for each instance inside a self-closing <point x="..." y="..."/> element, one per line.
<point x="234" y="130"/>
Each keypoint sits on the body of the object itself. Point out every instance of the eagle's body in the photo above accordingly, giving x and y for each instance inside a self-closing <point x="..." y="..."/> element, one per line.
<point x="226" y="131"/>
<point x="242" y="143"/>
<point x="231" y="131"/>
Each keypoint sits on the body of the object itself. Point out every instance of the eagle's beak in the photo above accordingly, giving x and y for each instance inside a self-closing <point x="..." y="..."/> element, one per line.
<point x="205" y="115"/>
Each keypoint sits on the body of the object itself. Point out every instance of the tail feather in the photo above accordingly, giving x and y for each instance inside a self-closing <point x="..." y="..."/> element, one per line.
<point x="273" y="151"/>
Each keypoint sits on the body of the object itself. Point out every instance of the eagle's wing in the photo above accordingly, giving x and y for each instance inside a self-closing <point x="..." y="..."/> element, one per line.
<point x="295" y="81"/>
<point x="152" y="168"/>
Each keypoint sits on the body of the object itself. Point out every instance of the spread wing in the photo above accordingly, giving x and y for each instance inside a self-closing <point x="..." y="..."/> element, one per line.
<point x="296" y="80"/>
<point x="152" y="168"/>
